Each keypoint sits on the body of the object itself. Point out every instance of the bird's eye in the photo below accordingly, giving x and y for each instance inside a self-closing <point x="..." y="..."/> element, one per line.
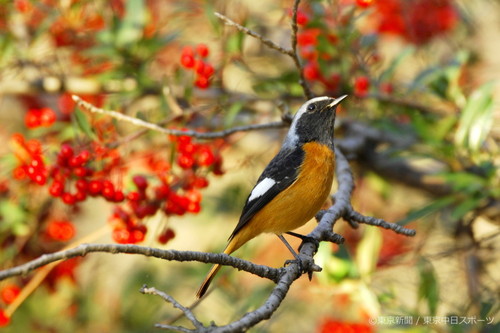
<point x="311" y="107"/>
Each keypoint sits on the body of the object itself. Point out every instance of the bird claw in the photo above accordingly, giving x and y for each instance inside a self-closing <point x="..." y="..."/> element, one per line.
<point x="305" y="265"/>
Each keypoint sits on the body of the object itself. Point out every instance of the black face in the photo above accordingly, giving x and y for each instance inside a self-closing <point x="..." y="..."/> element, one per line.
<point x="316" y="123"/>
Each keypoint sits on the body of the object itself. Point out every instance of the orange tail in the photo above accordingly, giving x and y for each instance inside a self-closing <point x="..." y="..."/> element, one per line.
<point x="204" y="286"/>
<point x="233" y="245"/>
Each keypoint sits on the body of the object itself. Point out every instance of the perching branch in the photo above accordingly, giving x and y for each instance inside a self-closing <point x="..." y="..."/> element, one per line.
<point x="171" y="255"/>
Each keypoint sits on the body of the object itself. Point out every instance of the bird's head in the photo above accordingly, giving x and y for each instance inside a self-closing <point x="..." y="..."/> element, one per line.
<point x="313" y="122"/>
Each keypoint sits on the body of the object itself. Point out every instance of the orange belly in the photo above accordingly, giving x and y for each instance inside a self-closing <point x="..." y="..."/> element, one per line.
<point x="298" y="203"/>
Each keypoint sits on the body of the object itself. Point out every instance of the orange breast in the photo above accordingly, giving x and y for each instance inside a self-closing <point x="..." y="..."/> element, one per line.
<point x="299" y="203"/>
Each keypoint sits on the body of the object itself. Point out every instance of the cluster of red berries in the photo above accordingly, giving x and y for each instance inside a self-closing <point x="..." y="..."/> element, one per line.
<point x="146" y="201"/>
<point x="312" y="41"/>
<point x="194" y="155"/>
<point x="60" y="230"/>
<point x="8" y="295"/>
<point x="39" y="117"/>
<point x="173" y="194"/>
<point x="73" y="178"/>
<point x="308" y="39"/>
<point x="31" y="165"/>
<point x="417" y="21"/>
<point x="75" y="168"/>
<point x="195" y="59"/>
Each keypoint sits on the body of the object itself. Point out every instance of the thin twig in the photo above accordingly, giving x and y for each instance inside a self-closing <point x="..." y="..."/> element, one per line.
<point x="399" y="229"/>
<point x="253" y="34"/>
<point x="196" y="134"/>
<point x="294" y="54"/>
<point x="187" y="312"/>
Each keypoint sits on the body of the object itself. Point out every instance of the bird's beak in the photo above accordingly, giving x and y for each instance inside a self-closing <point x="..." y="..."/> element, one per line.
<point x="336" y="101"/>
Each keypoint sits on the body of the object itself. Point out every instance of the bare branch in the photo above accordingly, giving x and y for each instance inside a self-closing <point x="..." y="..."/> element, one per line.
<point x="187" y="312"/>
<point x="199" y="135"/>
<point x="171" y="255"/>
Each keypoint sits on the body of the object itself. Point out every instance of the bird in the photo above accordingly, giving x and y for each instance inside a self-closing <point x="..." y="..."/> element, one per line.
<point x="296" y="182"/>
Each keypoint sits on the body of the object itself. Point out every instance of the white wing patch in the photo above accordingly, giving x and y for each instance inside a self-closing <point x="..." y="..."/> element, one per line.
<point x="261" y="188"/>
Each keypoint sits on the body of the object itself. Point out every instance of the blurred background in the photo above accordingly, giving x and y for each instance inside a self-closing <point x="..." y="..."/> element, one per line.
<point x="420" y="128"/>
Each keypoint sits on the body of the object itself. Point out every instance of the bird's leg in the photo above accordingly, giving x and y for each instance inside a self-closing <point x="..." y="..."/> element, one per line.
<point x="304" y="239"/>
<point x="311" y="268"/>
<point x="289" y="247"/>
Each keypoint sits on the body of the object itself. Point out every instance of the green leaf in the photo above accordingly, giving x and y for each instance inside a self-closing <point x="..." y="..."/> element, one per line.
<point x="428" y="288"/>
<point x="476" y="119"/>
<point x="13" y="218"/>
<point x="83" y="123"/>
<point x="231" y="114"/>
<point x="131" y="27"/>
<point x="443" y="127"/>
<point x="337" y="267"/>
<point x="427" y="210"/>
<point x="463" y="208"/>
<point x="465" y="181"/>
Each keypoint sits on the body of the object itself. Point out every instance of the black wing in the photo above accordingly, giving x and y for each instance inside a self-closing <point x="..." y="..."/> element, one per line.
<point x="283" y="169"/>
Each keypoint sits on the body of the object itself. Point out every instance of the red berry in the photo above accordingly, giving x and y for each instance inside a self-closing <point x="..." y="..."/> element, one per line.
<point x="193" y="207"/>
<point x="121" y="235"/>
<point x="119" y="196"/>
<point x="66" y="151"/>
<point x="47" y="117"/>
<point x="187" y="61"/>
<point x="137" y="235"/>
<point x="302" y="18"/>
<point x="185" y="161"/>
<point x="135" y="196"/>
<point x="108" y="193"/>
<point x="60" y="230"/>
<point x="205" y="156"/>
<point x="166" y="235"/>
<point x="199" y="66"/>
<point x="80" y="196"/>
<point x="9" y="293"/>
<point x="202" y="82"/>
<point x="68" y="198"/>
<point x="40" y="179"/>
<point x="56" y="188"/>
<point x="32" y="118"/>
<point x="202" y="50"/>
<point x="364" y="3"/>
<point x="94" y="187"/>
<point x="140" y="182"/>
<point x="80" y="171"/>
<point x="162" y="192"/>
<point x="311" y="71"/>
<point x="361" y="86"/>
<point x="200" y="182"/>
<point x="4" y="319"/>
<point x="208" y="71"/>
<point x="81" y="185"/>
